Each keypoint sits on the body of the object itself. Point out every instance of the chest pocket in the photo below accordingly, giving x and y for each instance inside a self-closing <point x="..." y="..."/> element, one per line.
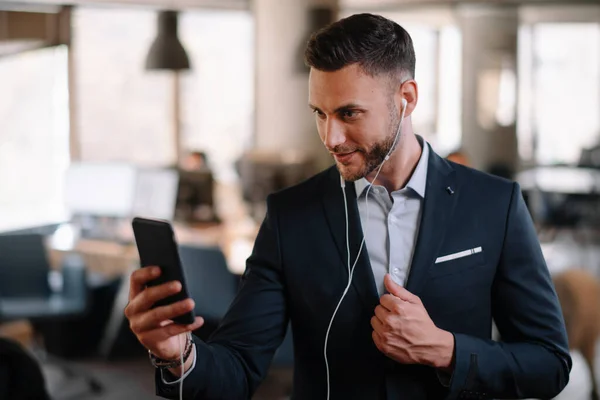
<point x="457" y="262"/>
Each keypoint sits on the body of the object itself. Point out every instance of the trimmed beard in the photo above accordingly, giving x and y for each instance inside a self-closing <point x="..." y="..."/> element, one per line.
<point x="374" y="156"/>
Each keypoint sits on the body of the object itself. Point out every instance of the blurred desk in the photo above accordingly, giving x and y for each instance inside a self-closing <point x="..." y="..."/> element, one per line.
<point x="560" y="179"/>
<point x="113" y="258"/>
<point x="562" y="196"/>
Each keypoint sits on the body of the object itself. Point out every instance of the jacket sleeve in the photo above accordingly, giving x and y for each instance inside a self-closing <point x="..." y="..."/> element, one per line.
<point x="532" y="360"/>
<point x="235" y="360"/>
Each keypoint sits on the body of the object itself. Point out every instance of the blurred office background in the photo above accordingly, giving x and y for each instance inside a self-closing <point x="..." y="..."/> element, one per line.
<point x="97" y="125"/>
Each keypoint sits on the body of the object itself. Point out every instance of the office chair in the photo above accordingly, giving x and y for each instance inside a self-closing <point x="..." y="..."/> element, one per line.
<point x="578" y="291"/>
<point x="213" y="288"/>
<point x="25" y="291"/>
<point x="210" y="283"/>
<point x="20" y="374"/>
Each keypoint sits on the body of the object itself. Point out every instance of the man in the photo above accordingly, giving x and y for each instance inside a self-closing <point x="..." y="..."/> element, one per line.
<point x="446" y="249"/>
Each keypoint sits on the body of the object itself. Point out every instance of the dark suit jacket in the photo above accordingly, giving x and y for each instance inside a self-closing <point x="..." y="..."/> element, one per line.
<point x="297" y="272"/>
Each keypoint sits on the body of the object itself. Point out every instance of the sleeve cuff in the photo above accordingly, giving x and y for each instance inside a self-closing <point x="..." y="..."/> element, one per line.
<point x="444" y="378"/>
<point x="465" y="364"/>
<point x="162" y="371"/>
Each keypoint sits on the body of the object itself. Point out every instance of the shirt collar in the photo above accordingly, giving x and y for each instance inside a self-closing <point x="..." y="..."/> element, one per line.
<point x="418" y="178"/>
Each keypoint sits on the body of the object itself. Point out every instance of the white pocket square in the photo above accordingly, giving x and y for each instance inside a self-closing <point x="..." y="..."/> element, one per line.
<point x="460" y="254"/>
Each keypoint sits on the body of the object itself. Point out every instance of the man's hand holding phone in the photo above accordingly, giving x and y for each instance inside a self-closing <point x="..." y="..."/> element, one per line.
<point x="154" y="327"/>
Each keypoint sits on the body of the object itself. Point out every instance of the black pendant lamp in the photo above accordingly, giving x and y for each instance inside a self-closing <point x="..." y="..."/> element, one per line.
<point x="167" y="52"/>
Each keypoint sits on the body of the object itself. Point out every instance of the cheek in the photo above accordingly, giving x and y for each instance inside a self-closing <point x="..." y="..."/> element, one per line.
<point x="360" y="134"/>
<point x="321" y="129"/>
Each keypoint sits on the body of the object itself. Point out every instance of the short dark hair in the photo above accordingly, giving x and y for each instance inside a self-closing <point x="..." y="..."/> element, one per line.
<point x="377" y="44"/>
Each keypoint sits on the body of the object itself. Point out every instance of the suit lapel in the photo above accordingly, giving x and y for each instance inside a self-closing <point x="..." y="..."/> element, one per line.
<point x="437" y="207"/>
<point x="333" y="203"/>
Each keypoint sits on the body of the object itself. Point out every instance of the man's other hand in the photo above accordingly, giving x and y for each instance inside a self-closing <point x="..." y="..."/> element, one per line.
<point x="403" y="330"/>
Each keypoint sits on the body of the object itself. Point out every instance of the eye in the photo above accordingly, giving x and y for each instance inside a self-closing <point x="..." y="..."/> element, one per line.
<point x="346" y="114"/>
<point x="319" y="113"/>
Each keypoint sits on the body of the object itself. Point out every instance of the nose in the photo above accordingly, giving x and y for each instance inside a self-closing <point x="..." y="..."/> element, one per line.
<point x="333" y="134"/>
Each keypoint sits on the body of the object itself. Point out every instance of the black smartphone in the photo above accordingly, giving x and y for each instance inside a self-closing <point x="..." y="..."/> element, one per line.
<point x="157" y="245"/>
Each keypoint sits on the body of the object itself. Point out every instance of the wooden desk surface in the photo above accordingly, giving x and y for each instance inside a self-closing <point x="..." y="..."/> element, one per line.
<point x="113" y="258"/>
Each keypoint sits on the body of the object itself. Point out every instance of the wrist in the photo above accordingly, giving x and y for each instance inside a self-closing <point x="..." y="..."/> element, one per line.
<point x="176" y="371"/>
<point x="444" y="351"/>
<point x="177" y="362"/>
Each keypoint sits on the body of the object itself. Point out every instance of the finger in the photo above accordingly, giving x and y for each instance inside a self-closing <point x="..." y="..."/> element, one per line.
<point x="161" y="334"/>
<point x="382" y="314"/>
<point x="146" y="299"/>
<point x="391" y="303"/>
<point x="160" y="316"/>
<point x="139" y="278"/>
<point x="377" y="340"/>
<point x="166" y="322"/>
<point x="152" y="319"/>
<point x="399" y="291"/>
<point x="377" y="325"/>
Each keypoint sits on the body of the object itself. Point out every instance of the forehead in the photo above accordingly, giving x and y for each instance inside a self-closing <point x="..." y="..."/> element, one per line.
<point x="349" y="84"/>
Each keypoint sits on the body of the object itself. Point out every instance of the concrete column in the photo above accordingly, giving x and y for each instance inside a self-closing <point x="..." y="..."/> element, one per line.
<point x="489" y="84"/>
<point x="283" y="120"/>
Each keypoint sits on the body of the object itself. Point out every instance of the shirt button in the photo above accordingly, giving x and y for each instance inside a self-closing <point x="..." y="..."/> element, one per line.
<point x="396" y="270"/>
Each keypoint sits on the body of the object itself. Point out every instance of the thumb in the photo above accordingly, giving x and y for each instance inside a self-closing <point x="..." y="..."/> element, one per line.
<point x="391" y="286"/>
<point x="398" y="290"/>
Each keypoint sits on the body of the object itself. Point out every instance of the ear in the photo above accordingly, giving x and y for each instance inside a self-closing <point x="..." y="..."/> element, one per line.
<point x="409" y="91"/>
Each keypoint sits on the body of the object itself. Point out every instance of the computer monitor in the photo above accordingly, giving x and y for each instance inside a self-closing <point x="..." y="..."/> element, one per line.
<point x="100" y="189"/>
<point x="156" y="193"/>
<point x="195" y="201"/>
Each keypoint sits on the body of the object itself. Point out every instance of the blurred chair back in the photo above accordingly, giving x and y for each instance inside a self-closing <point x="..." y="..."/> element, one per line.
<point x="213" y="288"/>
<point x="210" y="283"/>
<point x="21" y="375"/>
<point x="25" y="291"/>
<point x="579" y="294"/>
<point x="23" y="266"/>
<point x="284" y="356"/>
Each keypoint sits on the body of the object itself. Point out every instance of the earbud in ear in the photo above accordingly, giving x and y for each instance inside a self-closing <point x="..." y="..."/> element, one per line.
<point x="404" y="103"/>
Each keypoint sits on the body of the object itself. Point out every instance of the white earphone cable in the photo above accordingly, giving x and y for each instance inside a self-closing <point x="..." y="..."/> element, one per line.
<point x="351" y="269"/>
<point x="182" y="369"/>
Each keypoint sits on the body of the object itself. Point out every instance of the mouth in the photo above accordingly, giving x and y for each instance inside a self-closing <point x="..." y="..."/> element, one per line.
<point x="344" y="158"/>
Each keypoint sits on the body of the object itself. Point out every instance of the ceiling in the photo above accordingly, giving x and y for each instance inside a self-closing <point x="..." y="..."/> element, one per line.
<point x="393" y="4"/>
<point x="171" y="4"/>
<point x="245" y="4"/>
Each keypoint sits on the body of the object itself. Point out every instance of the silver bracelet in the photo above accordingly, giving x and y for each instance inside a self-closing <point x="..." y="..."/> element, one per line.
<point x="158" y="362"/>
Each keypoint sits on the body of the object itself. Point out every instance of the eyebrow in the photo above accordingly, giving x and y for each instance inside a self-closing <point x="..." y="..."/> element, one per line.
<point x="348" y="106"/>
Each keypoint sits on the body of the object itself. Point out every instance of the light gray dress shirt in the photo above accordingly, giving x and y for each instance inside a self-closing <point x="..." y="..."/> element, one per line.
<point x="392" y="225"/>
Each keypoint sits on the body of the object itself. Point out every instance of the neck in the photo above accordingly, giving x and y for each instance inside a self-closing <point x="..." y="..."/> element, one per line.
<point x="398" y="169"/>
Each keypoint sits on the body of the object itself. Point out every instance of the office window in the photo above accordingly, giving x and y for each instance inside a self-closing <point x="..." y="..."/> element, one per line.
<point x="426" y="42"/>
<point x="124" y="113"/>
<point x="217" y="94"/>
<point x="438" y="48"/>
<point x="34" y="137"/>
<point x="448" y="133"/>
<point x="559" y="94"/>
